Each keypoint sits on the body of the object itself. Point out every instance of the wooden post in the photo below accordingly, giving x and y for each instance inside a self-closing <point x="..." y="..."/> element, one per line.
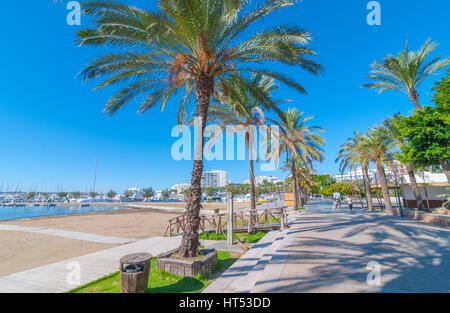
<point x="230" y="219"/>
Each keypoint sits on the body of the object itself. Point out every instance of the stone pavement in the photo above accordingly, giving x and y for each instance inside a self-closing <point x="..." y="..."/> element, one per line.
<point x="329" y="251"/>
<point x="68" y="234"/>
<point x="61" y="276"/>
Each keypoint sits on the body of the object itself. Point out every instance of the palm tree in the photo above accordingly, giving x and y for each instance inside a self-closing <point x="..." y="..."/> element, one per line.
<point x="353" y="152"/>
<point x="305" y="179"/>
<point x="379" y="145"/>
<point x="188" y="48"/>
<point x="239" y="108"/>
<point x="406" y="71"/>
<point x="299" y="140"/>
<point x="390" y="125"/>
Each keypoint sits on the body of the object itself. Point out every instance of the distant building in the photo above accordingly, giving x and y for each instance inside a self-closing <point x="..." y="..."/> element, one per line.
<point x="356" y="174"/>
<point x="180" y="187"/>
<point x="215" y="178"/>
<point x="261" y="179"/>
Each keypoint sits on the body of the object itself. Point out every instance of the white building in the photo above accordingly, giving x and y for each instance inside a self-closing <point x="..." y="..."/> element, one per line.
<point x="180" y="187"/>
<point x="215" y="178"/>
<point x="431" y="186"/>
<point x="261" y="179"/>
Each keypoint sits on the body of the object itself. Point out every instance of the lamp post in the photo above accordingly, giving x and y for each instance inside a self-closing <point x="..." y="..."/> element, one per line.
<point x="394" y="169"/>
<point x="230" y="225"/>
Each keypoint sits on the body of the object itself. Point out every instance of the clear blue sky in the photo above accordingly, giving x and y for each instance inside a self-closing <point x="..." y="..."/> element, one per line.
<point x="52" y="126"/>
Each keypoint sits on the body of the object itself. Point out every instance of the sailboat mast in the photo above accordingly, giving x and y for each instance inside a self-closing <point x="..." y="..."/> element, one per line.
<point x="95" y="175"/>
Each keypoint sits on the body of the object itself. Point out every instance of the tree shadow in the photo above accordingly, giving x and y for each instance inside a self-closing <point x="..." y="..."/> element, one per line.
<point x="334" y="256"/>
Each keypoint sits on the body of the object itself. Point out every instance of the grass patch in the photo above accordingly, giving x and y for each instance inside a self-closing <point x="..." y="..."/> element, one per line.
<point x="252" y="237"/>
<point x="300" y="208"/>
<point x="161" y="281"/>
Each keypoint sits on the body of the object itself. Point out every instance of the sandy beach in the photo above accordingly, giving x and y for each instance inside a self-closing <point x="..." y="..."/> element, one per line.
<point x="20" y="251"/>
<point x="128" y="223"/>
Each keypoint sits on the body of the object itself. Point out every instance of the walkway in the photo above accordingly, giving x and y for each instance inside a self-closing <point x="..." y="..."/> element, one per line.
<point x="326" y="251"/>
<point x="62" y="276"/>
<point x="68" y="234"/>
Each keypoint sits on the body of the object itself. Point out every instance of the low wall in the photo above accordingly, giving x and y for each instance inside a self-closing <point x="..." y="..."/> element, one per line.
<point x="442" y="220"/>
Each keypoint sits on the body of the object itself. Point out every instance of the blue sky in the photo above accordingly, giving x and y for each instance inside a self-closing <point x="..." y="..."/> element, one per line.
<point x="52" y="126"/>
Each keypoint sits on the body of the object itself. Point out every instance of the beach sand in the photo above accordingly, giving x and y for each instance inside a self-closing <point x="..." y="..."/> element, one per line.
<point x="128" y="223"/>
<point x="21" y="251"/>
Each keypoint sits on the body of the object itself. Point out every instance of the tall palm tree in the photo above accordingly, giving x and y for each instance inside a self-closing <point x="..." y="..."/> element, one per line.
<point x="188" y="48"/>
<point x="379" y="145"/>
<point x="406" y="71"/>
<point x="390" y="125"/>
<point x="355" y="151"/>
<point x="299" y="140"/>
<point x="240" y="109"/>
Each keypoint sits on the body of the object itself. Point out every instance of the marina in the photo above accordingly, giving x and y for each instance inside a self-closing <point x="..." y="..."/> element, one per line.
<point x="22" y="211"/>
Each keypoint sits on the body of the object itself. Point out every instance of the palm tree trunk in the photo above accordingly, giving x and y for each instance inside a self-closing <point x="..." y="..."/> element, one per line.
<point x="301" y="194"/>
<point x="414" y="97"/>
<point x="294" y="183"/>
<point x="384" y="188"/>
<point x="189" y="244"/>
<point x="252" y="184"/>
<point x="446" y="168"/>
<point x="367" y="187"/>
<point x="415" y="187"/>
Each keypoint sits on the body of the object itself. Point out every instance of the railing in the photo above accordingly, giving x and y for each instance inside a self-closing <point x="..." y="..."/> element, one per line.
<point x="265" y="219"/>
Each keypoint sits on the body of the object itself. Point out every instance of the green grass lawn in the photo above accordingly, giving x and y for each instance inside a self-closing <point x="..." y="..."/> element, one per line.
<point x="252" y="237"/>
<point x="160" y="281"/>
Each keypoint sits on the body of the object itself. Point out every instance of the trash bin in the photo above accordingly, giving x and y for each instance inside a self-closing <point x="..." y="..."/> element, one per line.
<point x="134" y="272"/>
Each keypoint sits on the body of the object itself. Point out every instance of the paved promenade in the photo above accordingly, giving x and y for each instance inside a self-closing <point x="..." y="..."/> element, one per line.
<point x="68" y="234"/>
<point x="328" y="251"/>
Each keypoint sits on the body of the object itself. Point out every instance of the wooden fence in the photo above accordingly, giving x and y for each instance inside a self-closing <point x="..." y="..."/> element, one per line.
<point x="260" y="220"/>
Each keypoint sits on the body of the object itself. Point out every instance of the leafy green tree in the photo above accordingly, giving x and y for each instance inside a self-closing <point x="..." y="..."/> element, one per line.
<point x="210" y="191"/>
<point x="392" y="126"/>
<point x="189" y="48"/>
<point x="148" y="192"/>
<point x="406" y="71"/>
<point x="93" y="194"/>
<point x="127" y="193"/>
<point x="111" y="194"/>
<point x="427" y="135"/>
<point x="30" y="195"/>
<point x="165" y="193"/>
<point x="75" y="194"/>
<point x="63" y="194"/>
<point x="324" y="180"/>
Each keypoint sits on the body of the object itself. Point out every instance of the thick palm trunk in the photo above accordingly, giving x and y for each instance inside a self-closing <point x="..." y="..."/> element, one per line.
<point x="446" y="168"/>
<point x="294" y="183"/>
<point x="252" y="212"/>
<point x="384" y="188"/>
<point x="367" y="188"/>
<point x="415" y="187"/>
<point x="190" y="243"/>
<point x="414" y="97"/>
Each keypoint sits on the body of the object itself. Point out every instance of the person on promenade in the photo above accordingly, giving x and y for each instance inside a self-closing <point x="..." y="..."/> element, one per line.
<point x="350" y="202"/>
